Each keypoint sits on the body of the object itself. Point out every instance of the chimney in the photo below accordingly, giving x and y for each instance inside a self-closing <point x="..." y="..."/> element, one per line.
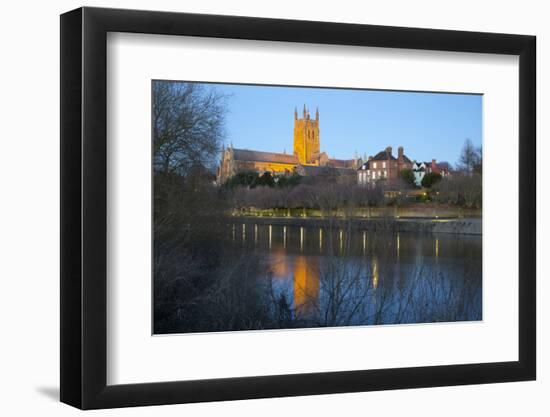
<point x="400" y="152"/>
<point x="370" y="158"/>
<point x="388" y="151"/>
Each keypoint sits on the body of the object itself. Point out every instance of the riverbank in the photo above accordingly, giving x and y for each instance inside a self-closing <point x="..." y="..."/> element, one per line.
<point x="470" y="226"/>
<point x="412" y="211"/>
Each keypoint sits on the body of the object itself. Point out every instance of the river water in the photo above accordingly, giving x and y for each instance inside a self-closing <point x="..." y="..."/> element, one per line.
<point x="333" y="276"/>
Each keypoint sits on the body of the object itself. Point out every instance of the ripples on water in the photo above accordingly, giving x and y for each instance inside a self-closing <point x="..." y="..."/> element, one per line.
<point x="317" y="277"/>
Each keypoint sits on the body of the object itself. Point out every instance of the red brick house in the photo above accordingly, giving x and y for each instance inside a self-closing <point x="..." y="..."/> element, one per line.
<point x="383" y="167"/>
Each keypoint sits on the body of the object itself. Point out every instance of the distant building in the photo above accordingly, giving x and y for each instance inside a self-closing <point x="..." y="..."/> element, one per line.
<point x="239" y="160"/>
<point x="422" y="168"/>
<point x="383" y="167"/>
<point x="306" y="153"/>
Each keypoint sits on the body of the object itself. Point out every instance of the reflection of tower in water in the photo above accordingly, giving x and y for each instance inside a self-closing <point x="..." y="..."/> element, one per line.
<point x="306" y="285"/>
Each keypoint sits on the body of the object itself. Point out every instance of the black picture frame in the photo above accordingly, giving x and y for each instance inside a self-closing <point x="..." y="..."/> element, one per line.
<point x="84" y="207"/>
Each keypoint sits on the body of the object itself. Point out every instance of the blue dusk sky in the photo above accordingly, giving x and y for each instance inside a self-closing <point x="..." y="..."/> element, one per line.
<point x="427" y="125"/>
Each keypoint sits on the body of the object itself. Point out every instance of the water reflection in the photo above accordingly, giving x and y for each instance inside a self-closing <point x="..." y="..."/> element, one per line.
<point x="334" y="277"/>
<point x="306" y="285"/>
<point x="374" y="273"/>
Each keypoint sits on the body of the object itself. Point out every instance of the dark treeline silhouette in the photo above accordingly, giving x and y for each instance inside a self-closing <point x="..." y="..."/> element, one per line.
<point x="190" y="264"/>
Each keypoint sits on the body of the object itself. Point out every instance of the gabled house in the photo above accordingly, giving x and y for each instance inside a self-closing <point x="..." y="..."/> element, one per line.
<point x="383" y="167"/>
<point x="422" y="168"/>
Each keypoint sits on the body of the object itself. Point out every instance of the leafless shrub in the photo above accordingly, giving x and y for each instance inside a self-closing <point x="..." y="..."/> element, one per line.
<point x="462" y="190"/>
<point x="331" y="199"/>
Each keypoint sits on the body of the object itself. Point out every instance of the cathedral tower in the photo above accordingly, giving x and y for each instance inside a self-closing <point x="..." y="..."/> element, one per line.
<point x="306" y="138"/>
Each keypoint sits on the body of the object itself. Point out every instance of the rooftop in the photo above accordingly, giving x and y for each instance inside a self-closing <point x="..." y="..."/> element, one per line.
<point x="383" y="156"/>
<point x="258" y="156"/>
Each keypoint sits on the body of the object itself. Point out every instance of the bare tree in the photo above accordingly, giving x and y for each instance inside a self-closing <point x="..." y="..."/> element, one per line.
<point x="188" y="126"/>
<point x="470" y="157"/>
<point x="461" y="190"/>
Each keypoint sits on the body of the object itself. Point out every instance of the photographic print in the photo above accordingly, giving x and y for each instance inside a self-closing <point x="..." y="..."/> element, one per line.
<point x="283" y="207"/>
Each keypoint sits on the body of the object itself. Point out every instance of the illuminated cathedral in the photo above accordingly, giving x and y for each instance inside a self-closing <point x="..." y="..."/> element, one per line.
<point x="306" y="159"/>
